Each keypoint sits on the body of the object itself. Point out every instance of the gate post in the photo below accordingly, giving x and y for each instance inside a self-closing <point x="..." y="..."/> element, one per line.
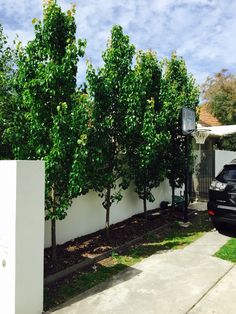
<point x="21" y="236"/>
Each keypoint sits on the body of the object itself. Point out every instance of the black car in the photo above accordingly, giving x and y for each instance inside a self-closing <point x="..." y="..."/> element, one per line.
<point x="222" y="197"/>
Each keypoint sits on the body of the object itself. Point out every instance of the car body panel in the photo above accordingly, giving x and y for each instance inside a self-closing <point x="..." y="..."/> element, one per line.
<point x="222" y="204"/>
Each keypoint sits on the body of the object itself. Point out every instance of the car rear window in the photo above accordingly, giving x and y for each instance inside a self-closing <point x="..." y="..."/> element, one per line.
<point x="227" y="174"/>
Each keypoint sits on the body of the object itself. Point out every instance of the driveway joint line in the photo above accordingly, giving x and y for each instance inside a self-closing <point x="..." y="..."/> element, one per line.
<point x="208" y="290"/>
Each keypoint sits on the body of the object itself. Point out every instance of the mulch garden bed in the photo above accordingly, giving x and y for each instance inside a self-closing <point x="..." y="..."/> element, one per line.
<point x="93" y="245"/>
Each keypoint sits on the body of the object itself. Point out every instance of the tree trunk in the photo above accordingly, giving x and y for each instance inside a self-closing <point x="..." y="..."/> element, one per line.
<point x="54" y="243"/>
<point x="53" y="229"/>
<point x="145" y="195"/>
<point x="108" y="206"/>
<point x="145" y="202"/>
<point x="173" y="195"/>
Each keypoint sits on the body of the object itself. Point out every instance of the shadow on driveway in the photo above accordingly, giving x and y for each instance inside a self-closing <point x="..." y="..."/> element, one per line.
<point x="127" y="274"/>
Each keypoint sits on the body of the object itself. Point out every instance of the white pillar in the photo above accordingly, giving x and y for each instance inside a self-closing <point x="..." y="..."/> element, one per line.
<point x="21" y="236"/>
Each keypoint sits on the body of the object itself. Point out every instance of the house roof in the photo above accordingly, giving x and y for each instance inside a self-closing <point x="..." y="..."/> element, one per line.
<point x="210" y="126"/>
<point x="206" y="118"/>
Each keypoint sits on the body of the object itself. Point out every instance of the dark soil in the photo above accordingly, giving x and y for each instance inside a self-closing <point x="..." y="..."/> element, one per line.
<point x="94" y="244"/>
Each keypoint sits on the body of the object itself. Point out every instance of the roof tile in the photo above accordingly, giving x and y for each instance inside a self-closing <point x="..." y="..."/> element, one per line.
<point x="206" y="118"/>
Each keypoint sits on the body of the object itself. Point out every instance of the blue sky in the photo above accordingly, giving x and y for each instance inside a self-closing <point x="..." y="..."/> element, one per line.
<point x="202" y="31"/>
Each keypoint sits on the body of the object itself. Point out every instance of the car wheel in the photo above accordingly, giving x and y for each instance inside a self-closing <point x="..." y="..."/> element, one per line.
<point x="218" y="225"/>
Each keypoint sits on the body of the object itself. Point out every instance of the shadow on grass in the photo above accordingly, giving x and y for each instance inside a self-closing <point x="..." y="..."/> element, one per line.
<point x="175" y="237"/>
<point x="147" y="250"/>
<point x="85" y="285"/>
<point x="97" y="281"/>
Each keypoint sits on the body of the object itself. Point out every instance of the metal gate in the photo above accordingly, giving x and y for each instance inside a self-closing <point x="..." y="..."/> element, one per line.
<point x="204" y="172"/>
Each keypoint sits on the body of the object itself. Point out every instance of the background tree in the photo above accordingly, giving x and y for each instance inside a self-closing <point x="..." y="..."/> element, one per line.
<point x="219" y="92"/>
<point x="146" y="134"/>
<point x="178" y="90"/>
<point x="7" y="92"/>
<point x="46" y="123"/>
<point x="227" y="142"/>
<point x="108" y="88"/>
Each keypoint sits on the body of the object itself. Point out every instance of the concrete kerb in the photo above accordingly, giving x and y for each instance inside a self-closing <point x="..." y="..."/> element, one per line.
<point x="91" y="261"/>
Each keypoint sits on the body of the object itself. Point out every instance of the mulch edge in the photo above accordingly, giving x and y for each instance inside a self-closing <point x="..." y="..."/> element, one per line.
<point x="91" y="261"/>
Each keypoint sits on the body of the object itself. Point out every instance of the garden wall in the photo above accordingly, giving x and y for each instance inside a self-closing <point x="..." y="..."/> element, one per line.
<point x="86" y="215"/>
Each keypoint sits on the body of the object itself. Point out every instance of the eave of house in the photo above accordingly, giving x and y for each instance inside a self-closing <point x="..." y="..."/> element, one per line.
<point x="221" y="130"/>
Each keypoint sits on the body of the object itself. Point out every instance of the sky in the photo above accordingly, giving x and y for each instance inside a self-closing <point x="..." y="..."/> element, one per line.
<point x="203" y="32"/>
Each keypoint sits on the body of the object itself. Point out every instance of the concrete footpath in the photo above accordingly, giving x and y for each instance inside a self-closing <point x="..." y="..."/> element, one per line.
<point x="188" y="280"/>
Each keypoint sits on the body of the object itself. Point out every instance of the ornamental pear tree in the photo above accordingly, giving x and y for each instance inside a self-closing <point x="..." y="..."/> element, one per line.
<point x="7" y="92"/>
<point x="109" y="88"/>
<point x="49" y="110"/>
<point x="178" y="90"/>
<point x="148" y="138"/>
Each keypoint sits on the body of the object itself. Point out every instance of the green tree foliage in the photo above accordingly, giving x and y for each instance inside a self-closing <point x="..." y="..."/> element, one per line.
<point x="220" y="93"/>
<point x="51" y="118"/>
<point x="178" y="90"/>
<point x="146" y="134"/>
<point x="227" y="142"/>
<point x="7" y="92"/>
<point x="126" y="127"/>
<point x="108" y="86"/>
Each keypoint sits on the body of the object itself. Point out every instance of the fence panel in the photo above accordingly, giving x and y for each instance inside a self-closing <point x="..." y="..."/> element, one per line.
<point x="204" y="172"/>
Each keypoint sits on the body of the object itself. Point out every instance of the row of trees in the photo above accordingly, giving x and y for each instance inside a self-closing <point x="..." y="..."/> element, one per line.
<point x="123" y="125"/>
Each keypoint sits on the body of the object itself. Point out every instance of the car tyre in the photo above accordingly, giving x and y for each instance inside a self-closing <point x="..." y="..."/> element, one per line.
<point x="218" y="225"/>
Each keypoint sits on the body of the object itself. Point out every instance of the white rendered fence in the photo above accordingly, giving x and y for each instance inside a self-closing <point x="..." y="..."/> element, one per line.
<point x="222" y="157"/>
<point x="87" y="215"/>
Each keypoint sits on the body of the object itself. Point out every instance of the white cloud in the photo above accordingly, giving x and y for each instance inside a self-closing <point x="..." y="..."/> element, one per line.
<point x="202" y="31"/>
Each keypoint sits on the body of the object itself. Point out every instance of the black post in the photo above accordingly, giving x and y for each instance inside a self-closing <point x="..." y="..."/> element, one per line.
<point x="186" y="179"/>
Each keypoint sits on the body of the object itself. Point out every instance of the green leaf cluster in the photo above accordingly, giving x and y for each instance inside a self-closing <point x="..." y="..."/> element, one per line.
<point x="123" y="126"/>
<point x="136" y="130"/>
<point x="178" y="90"/>
<point x="219" y="92"/>
<point x="108" y="88"/>
<point x="7" y="92"/>
<point x="51" y="117"/>
<point x="147" y="138"/>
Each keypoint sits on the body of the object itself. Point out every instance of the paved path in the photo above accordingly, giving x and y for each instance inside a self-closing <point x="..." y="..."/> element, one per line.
<point x="183" y="281"/>
<point x="199" y="206"/>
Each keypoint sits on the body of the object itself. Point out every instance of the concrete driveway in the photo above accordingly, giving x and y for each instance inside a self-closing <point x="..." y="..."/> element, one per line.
<point x="188" y="280"/>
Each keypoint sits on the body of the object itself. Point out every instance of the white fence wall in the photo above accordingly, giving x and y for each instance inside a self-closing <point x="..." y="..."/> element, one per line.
<point x="222" y="157"/>
<point x="87" y="215"/>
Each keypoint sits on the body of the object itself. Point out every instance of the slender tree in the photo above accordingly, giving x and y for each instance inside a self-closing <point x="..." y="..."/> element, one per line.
<point x="108" y="87"/>
<point x="148" y="138"/>
<point x="47" y="120"/>
<point x="178" y="90"/>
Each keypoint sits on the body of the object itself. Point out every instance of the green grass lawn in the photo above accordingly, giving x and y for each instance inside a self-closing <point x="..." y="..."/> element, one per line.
<point x="228" y="251"/>
<point x="173" y="237"/>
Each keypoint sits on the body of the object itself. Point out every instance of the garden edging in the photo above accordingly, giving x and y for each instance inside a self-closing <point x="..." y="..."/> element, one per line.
<point x="90" y="261"/>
